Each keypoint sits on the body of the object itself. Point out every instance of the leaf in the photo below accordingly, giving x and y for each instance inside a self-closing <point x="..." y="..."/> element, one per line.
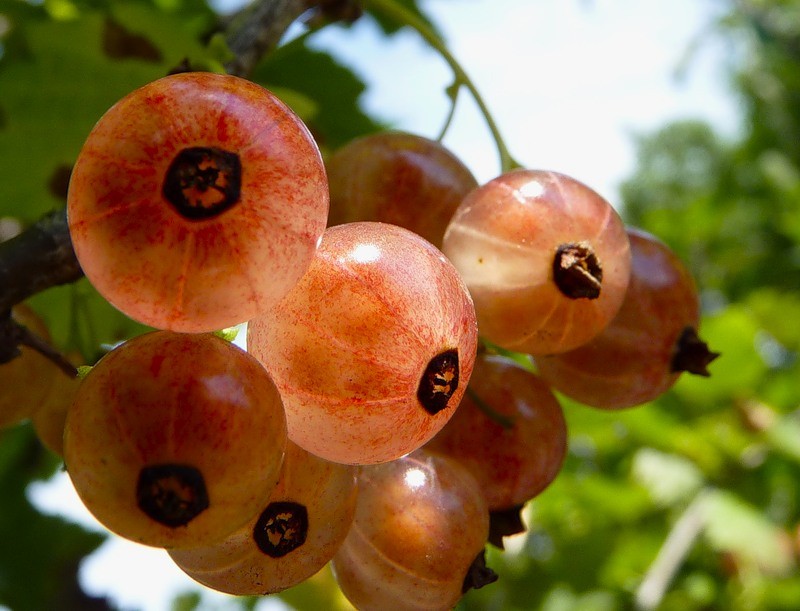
<point x="335" y="91"/>
<point x="41" y="553"/>
<point x="733" y="526"/>
<point x="81" y="320"/>
<point x="317" y="592"/>
<point x="670" y="479"/>
<point x="773" y="309"/>
<point x="49" y="77"/>
<point x="390" y="26"/>
<point x="732" y="332"/>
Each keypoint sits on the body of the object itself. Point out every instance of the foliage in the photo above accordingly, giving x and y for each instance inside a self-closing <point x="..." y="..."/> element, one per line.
<point x="715" y="461"/>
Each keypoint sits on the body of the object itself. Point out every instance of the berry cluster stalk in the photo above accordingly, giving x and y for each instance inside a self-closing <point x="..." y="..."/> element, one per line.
<point x="402" y="15"/>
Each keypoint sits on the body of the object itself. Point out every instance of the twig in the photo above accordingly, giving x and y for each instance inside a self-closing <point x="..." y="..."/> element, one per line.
<point x="38" y="258"/>
<point x="257" y="29"/>
<point x="672" y="554"/>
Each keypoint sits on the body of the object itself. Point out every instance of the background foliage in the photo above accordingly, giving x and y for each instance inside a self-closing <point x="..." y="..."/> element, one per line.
<point x="710" y="472"/>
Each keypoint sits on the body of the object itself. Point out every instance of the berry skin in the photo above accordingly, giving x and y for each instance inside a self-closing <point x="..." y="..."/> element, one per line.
<point x="49" y="418"/>
<point x="546" y="259"/>
<point x="175" y="440"/>
<point x="647" y="345"/>
<point x="373" y="348"/>
<point x="296" y="533"/>
<point x="197" y="201"/>
<point x="517" y="454"/>
<point x="420" y="523"/>
<point x="25" y="380"/>
<point x="397" y="178"/>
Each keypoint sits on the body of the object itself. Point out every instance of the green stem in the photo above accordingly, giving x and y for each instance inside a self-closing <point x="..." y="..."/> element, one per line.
<point x="452" y="93"/>
<point x="489" y="411"/>
<point x="402" y="15"/>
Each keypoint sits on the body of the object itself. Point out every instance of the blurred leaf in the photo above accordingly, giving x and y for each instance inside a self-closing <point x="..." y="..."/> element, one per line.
<point x="390" y="26"/>
<point x="784" y="436"/>
<point x="81" y="320"/>
<point x="334" y="89"/>
<point x="562" y="599"/>
<point x="733" y="333"/>
<point x="774" y="309"/>
<point x="49" y="77"/>
<point x="40" y="561"/>
<point x="733" y="526"/>
<point x="670" y="479"/>
<point x="318" y="592"/>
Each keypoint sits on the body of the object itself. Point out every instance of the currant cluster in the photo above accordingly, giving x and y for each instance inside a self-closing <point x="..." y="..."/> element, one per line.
<point x="200" y="202"/>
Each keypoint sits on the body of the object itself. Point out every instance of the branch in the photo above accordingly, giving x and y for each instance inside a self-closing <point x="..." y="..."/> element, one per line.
<point x="37" y="259"/>
<point x="42" y="256"/>
<point x="672" y="554"/>
<point x="258" y="28"/>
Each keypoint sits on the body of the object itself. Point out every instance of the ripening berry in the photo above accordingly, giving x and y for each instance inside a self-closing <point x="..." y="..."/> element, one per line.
<point x="651" y="340"/>
<point x="373" y="348"/>
<point x="546" y="259"/>
<point x="420" y="523"/>
<point x="509" y="431"/>
<point x="175" y="440"/>
<point x="197" y="201"/>
<point x="49" y="418"/>
<point x="397" y="178"/>
<point x="294" y="535"/>
<point x="26" y="379"/>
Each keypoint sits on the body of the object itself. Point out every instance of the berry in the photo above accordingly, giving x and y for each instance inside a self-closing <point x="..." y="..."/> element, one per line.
<point x="509" y="431"/>
<point x="294" y="535"/>
<point x="175" y="440"/>
<point x="373" y="348"/>
<point x="651" y="340"/>
<point x="26" y="379"/>
<point x="196" y="201"/>
<point x="49" y="418"/>
<point x="546" y="259"/>
<point x="397" y="178"/>
<point x="420" y="523"/>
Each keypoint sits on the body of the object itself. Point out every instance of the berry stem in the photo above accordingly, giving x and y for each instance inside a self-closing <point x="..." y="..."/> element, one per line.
<point x="488" y="411"/>
<point x="14" y="335"/>
<point x="402" y="15"/>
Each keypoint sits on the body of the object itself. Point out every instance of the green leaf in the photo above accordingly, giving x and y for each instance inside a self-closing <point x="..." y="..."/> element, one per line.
<point x="731" y="525"/>
<point x="50" y="76"/>
<point x="81" y="320"/>
<point x="668" y="478"/>
<point x="733" y="332"/>
<point x="334" y="90"/>
<point x="39" y="567"/>
<point x="390" y="26"/>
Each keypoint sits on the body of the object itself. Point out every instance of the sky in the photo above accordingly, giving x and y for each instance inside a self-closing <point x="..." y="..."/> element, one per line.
<point x="568" y="81"/>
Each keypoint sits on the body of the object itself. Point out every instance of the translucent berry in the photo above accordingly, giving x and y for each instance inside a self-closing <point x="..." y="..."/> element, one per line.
<point x="397" y="178"/>
<point x="295" y="533"/>
<point x="545" y="257"/>
<point x="509" y="431"/>
<point x="175" y="440"/>
<point x="25" y="379"/>
<point x="420" y="523"/>
<point x="373" y="348"/>
<point x="197" y="201"/>
<point x="651" y="340"/>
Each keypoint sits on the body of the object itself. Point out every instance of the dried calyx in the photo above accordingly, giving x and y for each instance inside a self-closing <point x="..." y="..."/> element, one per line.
<point x="692" y="354"/>
<point x="577" y="271"/>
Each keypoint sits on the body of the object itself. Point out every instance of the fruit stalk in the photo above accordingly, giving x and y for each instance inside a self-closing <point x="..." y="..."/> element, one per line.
<point x="400" y="14"/>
